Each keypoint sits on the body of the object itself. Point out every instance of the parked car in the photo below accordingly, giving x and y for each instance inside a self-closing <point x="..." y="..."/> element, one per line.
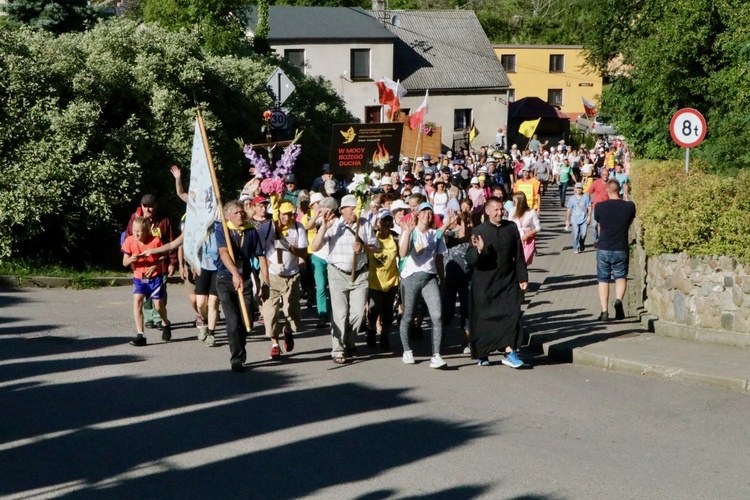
<point x="598" y="124"/>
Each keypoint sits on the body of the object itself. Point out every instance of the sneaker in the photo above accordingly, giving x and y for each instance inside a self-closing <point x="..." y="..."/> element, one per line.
<point x="166" y="332"/>
<point x="511" y="359"/>
<point x="202" y="333"/>
<point x="198" y="321"/>
<point x="408" y="357"/>
<point x="210" y="341"/>
<point x="288" y="339"/>
<point x="138" y="341"/>
<point x="467" y="349"/>
<point x="238" y="366"/>
<point x="483" y="362"/>
<point x="321" y="323"/>
<point x="619" y="310"/>
<point x="275" y="352"/>
<point x="575" y="251"/>
<point x="151" y="324"/>
<point x="604" y="316"/>
<point x="437" y="362"/>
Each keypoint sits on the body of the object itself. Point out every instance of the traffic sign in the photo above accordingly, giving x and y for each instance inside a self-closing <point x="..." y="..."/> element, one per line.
<point x="278" y="119"/>
<point x="279" y="86"/>
<point x="688" y="127"/>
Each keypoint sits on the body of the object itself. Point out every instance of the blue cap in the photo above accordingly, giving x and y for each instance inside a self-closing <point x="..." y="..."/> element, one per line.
<point x="425" y="206"/>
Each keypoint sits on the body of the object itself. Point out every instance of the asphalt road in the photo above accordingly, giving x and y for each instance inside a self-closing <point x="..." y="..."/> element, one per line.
<point x="84" y="414"/>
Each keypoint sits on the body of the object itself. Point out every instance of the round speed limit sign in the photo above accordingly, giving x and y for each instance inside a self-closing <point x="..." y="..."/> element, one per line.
<point x="688" y="127"/>
<point x="278" y="119"/>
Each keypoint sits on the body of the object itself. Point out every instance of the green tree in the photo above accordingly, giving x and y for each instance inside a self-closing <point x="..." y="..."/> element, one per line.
<point x="92" y="120"/>
<point x="56" y="16"/>
<point x="221" y="22"/>
<point x="663" y="57"/>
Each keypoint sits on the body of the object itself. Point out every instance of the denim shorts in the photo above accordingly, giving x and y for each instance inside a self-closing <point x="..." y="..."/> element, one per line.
<point x="611" y="264"/>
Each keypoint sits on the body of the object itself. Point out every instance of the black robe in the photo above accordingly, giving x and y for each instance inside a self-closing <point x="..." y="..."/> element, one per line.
<point x="495" y="293"/>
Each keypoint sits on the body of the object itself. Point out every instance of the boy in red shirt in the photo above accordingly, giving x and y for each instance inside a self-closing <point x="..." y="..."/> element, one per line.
<point x="148" y="276"/>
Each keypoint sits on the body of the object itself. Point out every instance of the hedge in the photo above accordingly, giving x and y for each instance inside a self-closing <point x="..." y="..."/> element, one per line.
<point x="702" y="214"/>
<point x="89" y="121"/>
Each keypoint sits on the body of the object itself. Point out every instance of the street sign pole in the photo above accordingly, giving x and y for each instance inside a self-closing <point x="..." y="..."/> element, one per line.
<point x="687" y="128"/>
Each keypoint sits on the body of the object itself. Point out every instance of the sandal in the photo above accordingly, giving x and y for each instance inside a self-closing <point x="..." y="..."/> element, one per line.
<point x="340" y="360"/>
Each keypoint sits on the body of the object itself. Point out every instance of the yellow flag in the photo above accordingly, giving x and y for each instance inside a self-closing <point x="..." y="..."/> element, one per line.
<point x="528" y="128"/>
<point x="473" y="133"/>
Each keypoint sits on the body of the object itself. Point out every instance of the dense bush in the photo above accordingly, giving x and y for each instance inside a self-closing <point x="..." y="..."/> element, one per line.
<point x="89" y="121"/>
<point x="700" y="213"/>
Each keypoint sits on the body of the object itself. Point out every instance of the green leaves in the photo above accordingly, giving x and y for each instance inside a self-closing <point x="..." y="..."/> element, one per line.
<point x="90" y="121"/>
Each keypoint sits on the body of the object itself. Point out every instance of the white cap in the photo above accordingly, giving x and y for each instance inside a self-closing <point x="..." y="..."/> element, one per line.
<point x="419" y="158"/>
<point x="474" y="180"/>
<point x="315" y="198"/>
<point x="405" y="159"/>
<point x="399" y="205"/>
<point x="386" y="180"/>
<point x="348" y="201"/>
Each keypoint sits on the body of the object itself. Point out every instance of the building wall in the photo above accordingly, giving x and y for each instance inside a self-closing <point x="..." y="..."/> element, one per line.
<point x="533" y="78"/>
<point x="489" y="110"/>
<point x="332" y="61"/>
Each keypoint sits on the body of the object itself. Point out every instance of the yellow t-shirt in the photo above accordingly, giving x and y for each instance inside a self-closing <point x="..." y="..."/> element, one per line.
<point x="310" y="232"/>
<point x="383" y="265"/>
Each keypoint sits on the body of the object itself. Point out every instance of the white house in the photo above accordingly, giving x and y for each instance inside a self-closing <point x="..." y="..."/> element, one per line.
<point x="443" y="51"/>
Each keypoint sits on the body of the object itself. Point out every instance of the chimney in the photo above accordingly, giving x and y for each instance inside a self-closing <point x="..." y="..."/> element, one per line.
<point x="379" y="5"/>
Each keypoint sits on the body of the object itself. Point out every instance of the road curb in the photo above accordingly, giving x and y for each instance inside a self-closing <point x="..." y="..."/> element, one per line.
<point x="581" y="356"/>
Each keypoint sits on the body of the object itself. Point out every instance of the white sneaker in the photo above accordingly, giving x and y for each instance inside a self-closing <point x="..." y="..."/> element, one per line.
<point x="467" y="349"/>
<point x="210" y="341"/>
<point x="202" y="333"/>
<point x="437" y="362"/>
<point x="408" y="358"/>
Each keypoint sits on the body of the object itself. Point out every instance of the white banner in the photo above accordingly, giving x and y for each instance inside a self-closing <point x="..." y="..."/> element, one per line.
<point x="202" y="203"/>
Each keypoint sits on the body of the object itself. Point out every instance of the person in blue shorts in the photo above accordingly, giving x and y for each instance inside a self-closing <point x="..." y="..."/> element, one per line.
<point x="614" y="216"/>
<point x="148" y="277"/>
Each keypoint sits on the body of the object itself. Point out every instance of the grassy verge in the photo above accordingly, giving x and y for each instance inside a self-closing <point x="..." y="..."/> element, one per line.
<point x="79" y="278"/>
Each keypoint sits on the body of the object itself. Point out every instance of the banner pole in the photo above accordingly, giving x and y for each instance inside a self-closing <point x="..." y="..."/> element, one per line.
<point x="243" y="307"/>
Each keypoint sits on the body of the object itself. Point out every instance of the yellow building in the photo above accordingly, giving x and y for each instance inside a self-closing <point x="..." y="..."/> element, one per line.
<point x="557" y="74"/>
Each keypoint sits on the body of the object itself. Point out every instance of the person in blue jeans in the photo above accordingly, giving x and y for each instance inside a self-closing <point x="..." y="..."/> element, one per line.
<point x="579" y="215"/>
<point x="614" y="216"/>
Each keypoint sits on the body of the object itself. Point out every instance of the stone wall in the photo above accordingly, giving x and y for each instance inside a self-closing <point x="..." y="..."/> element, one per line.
<point x="706" y="293"/>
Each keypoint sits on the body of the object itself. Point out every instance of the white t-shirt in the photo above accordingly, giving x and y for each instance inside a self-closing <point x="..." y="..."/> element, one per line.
<point x="422" y="252"/>
<point x="289" y="265"/>
<point x="439" y="202"/>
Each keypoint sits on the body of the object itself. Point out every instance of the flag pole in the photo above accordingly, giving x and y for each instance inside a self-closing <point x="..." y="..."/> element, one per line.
<point x="243" y="307"/>
<point x="416" y="148"/>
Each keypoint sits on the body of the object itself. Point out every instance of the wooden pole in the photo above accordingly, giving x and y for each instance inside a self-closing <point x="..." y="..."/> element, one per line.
<point x="243" y="307"/>
<point x="416" y="148"/>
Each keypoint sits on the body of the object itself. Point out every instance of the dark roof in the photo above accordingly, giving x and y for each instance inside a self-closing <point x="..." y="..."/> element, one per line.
<point x="292" y="23"/>
<point x="442" y="49"/>
<point x="533" y="108"/>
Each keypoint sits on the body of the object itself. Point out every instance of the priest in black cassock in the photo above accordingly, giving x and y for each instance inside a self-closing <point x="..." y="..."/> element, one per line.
<point x="497" y="282"/>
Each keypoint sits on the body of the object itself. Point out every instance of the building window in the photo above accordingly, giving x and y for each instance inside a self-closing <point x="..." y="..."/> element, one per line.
<point x="373" y="114"/>
<point x="555" y="96"/>
<point x="511" y="95"/>
<point x="461" y="119"/>
<point x="296" y="58"/>
<point x="556" y="63"/>
<point x="360" y="67"/>
<point x="509" y="62"/>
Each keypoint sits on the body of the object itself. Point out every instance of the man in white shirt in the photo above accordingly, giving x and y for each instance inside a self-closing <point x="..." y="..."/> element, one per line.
<point x="348" y="240"/>
<point x="283" y="251"/>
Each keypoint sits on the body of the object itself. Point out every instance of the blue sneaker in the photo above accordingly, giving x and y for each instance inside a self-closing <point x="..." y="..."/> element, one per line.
<point x="483" y="362"/>
<point x="511" y="359"/>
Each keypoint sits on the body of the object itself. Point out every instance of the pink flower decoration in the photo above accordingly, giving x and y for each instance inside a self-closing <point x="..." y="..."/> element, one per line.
<point x="273" y="185"/>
